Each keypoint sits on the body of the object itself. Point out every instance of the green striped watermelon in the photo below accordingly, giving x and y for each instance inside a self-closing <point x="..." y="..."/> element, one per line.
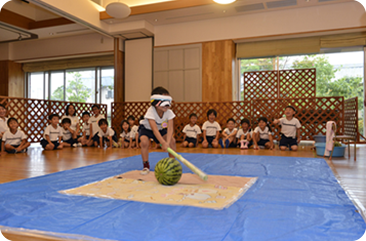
<point x="168" y="171"/>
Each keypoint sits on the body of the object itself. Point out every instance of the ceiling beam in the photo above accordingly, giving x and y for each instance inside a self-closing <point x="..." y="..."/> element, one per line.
<point x="50" y="23"/>
<point x="158" y="7"/>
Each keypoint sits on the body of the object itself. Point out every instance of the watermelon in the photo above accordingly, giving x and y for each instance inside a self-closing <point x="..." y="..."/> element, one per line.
<point x="168" y="171"/>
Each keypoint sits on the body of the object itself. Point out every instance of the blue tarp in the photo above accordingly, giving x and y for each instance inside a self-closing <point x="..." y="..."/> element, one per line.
<point x="293" y="199"/>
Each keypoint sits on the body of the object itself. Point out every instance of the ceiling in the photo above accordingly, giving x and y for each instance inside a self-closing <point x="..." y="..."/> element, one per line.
<point x="21" y="20"/>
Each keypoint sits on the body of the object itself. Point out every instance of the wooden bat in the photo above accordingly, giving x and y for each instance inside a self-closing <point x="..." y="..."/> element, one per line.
<point x="194" y="169"/>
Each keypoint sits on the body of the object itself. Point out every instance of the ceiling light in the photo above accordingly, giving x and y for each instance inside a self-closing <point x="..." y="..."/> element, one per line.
<point x="118" y="10"/>
<point x="224" y="1"/>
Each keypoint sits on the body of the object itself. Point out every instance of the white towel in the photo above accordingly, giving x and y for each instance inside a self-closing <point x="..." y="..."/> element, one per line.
<point x="329" y="137"/>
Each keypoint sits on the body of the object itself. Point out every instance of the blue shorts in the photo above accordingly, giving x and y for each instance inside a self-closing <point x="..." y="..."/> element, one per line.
<point x="210" y="139"/>
<point x="150" y="134"/>
<point x="191" y="140"/>
<point x="44" y="143"/>
<point x="287" y="141"/>
<point x="262" y="142"/>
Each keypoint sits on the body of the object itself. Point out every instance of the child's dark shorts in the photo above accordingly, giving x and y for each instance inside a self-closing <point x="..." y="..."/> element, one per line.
<point x="70" y="141"/>
<point x="150" y="134"/>
<point x="191" y="140"/>
<point x="262" y="142"/>
<point x="287" y="141"/>
<point x="44" y="143"/>
<point x="210" y="139"/>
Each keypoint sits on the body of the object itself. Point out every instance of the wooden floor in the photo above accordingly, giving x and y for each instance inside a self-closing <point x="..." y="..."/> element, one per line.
<point x="351" y="174"/>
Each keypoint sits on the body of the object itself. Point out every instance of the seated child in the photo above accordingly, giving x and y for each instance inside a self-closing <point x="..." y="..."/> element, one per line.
<point x="211" y="130"/>
<point x="191" y="132"/>
<point x="125" y="135"/>
<point x="228" y="135"/>
<point x="290" y="127"/>
<point x="52" y="134"/>
<point x="244" y="134"/>
<point x="87" y="138"/>
<point x="157" y="124"/>
<point x="134" y="133"/>
<point x="105" y="135"/>
<point x="93" y="120"/>
<point x="68" y="133"/>
<point x="262" y="135"/>
<point x="14" y="140"/>
<point x="3" y="123"/>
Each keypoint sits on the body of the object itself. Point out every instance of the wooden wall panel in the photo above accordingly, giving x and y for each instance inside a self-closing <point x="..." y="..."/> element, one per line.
<point x="11" y="79"/>
<point x="218" y="59"/>
<point x="119" y="81"/>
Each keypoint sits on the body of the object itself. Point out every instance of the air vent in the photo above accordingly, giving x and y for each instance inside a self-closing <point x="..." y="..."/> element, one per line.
<point x="250" y="7"/>
<point x="189" y="16"/>
<point x="281" y="4"/>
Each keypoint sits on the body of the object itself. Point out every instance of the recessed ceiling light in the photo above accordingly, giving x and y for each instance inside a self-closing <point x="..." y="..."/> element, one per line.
<point x="156" y="20"/>
<point x="224" y="1"/>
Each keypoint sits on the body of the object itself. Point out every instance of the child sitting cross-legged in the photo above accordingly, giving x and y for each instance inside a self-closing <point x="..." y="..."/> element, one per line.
<point x="262" y="135"/>
<point x="14" y="140"/>
<point x="134" y="133"/>
<point x="191" y="132"/>
<point x="87" y="129"/>
<point x="211" y="130"/>
<point x="244" y="134"/>
<point x="52" y="134"/>
<point x="106" y="135"/>
<point x="228" y="135"/>
<point x="290" y="127"/>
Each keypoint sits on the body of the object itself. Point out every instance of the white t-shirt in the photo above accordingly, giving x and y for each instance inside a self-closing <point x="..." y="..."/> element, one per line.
<point x="3" y="125"/>
<point x="53" y="133"/>
<point x="263" y="134"/>
<point x="94" y="121"/>
<point x="192" y="131"/>
<point x="211" y="128"/>
<point x="86" y="129"/>
<point x="133" y="132"/>
<point x="125" y="135"/>
<point x="241" y="132"/>
<point x="14" y="139"/>
<point x="289" y="127"/>
<point x="74" y="121"/>
<point x="162" y="123"/>
<point x="228" y="132"/>
<point x="66" y="134"/>
<point x="109" y="132"/>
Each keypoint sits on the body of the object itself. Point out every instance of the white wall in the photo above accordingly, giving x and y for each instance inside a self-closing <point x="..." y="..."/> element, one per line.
<point x="138" y="69"/>
<point x="281" y="22"/>
<point x="57" y="47"/>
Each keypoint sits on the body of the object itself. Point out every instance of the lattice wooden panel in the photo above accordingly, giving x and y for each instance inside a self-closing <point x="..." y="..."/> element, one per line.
<point x="297" y="83"/>
<point x="261" y="85"/>
<point x="32" y="114"/>
<point x="351" y="117"/>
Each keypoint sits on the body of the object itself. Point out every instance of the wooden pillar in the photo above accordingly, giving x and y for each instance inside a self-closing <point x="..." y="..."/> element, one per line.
<point x="218" y="64"/>
<point x="119" y="82"/>
<point x="11" y="79"/>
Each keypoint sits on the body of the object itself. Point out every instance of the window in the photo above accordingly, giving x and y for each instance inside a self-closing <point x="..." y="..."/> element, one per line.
<point x="339" y="72"/>
<point x="92" y="85"/>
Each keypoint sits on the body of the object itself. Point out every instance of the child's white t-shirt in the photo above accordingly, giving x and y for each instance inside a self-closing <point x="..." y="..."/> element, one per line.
<point x="3" y="125"/>
<point x="263" y="134"/>
<point x="161" y="123"/>
<point x="125" y="135"/>
<point x="241" y="132"/>
<point x="109" y="132"/>
<point x="66" y="134"/>
<point x="74" y="121"/>
<point x="289" y="127"/>
<point x="53" y="133"/>
<point x="134" y="131"/>
<point x="211" y="128"/>
<point x="94" y="121"/>
<point x="86" y="129"/>
<point x="228" y="132"/>
<point x="192" y="131"/>
<point x="14" y="139"/>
